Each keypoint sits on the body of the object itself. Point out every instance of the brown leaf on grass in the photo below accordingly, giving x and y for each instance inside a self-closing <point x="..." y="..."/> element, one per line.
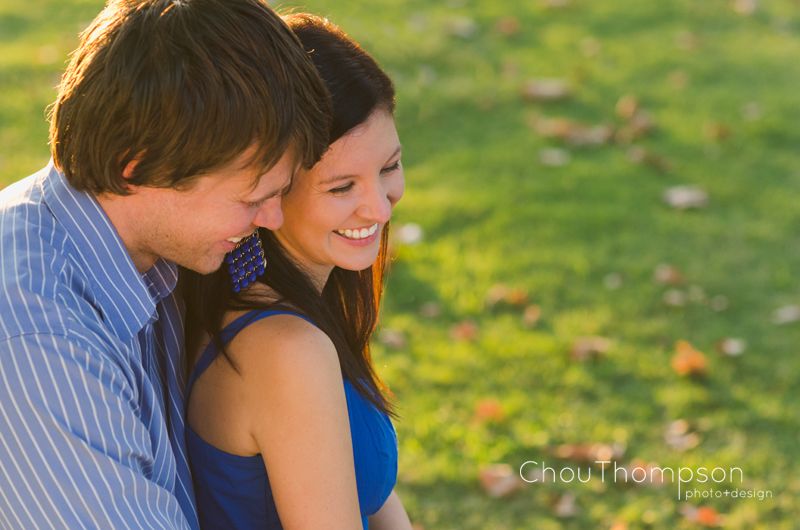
<point x="489" y="410"/>
<point x="719" y="303"/>
<point x="462" y="27"/>
<point x="589" y="453"/>
<point x="554" y="157"/>
<point x="687" y="40"/>
<point x="572" y="132"/>
<point x="590" y="135"/>
<point x="642" y="473"/>
<point x="392" y="338"/>
<point x="499" y="480"/>
<point x="674" y="298"/>
<point x="501" y="295"/>
<point x="640" y="155"/>
<point x="590" y="47"/>
<point x="716" y="131"/>
<point x="627" y="106"/>
<point x="640" y="125"/>
<point x="667" y="274"/>
<point x="556" y="4"/>
<point x="466" y="331"/>
<point x="752" y="111"/>
<point x="508" y="26"/>
<point x="744" y="7"/>
<point x="686" y="197"/>
<point x="705" y="516"/>
<point x="678" y="79"/>
<point x="531" y="315"/>
<point x="566" y="506"/>
<point x="731" y="347"/>
<point x="688" y="361"/>
<point x="786" y="315"/>
<point x="585" y="348"/>
<point x="546" y="89"/>
<point x="680" y="437"/>
<point x="430" y="310"/>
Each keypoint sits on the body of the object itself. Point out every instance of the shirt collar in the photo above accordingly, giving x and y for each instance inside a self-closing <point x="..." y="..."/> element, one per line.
<point x="127" y="299"/>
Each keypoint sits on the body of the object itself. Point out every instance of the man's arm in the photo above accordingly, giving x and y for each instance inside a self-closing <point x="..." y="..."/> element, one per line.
<point x="74" y="452"/>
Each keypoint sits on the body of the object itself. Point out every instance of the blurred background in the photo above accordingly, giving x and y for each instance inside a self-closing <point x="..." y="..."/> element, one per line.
<point x="595" y="258"/>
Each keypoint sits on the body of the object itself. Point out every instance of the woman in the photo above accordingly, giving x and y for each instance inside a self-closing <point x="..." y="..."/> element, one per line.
<point x="289" y="424"/>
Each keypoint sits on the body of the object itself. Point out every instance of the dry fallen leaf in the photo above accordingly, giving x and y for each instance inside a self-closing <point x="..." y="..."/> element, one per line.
<point x="704" y="515"/>
<point x="430" y="310"/>
<point x="752" y="111"/>
<point x="589" y="453"/>
<point x="613" y="281"/>
<point x="640" y="155"/>
<point x="590" y="47"/>
<point x="668" y="274"/>
<point x="716" y="131"/>
<point x="731" y="347"/>
<point x="546" y="89"/>
<point x="554" y="157"/>
<point x="499" y="480"/>
<point x="466" y="331"/>
<point x="687" y="41"/>
<point x="531" y="315"/>
<point x="719" y="303"/>
<point x="627" y="106"/>
<point x="786" y="315"/>
<point x="463" y="27"/>
<point x="686" y="197"/>
<point x="688" y="361"/>
<point x="639" y="125"/>
<point x="501" y="295"/>
<point x="643" y="473"/>
<point x="566" y="506"/>
<point x="745" y="7"/>
<point x="392" y="338"/>
<point x="489" y="410"/>
<point x="585" y="348"/>
<point x="572" y="132"/>
<point x="678" y="79"/>
<point x="679" y="436"/>
<point x="674" y="298"/>
<point x="508" y="26"/>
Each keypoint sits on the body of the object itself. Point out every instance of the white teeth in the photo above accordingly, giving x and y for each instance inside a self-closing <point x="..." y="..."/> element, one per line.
<point x="359" y="233"/>
<point x="234" y="240"/>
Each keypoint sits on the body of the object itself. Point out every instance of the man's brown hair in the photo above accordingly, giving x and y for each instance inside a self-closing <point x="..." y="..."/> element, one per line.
<point x="182" y="87"/>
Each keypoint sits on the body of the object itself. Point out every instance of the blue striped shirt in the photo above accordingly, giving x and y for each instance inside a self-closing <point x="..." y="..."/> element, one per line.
<point x="91" y="379"/>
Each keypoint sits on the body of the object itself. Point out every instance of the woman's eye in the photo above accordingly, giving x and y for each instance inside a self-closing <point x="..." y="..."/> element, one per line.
<point x="255" y="204"/>
<point x="343" y="189"/>
<point x="393" y="167"/>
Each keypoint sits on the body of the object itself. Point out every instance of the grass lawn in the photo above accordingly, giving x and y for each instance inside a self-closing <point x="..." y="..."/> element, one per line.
<point x="693" y="93"/>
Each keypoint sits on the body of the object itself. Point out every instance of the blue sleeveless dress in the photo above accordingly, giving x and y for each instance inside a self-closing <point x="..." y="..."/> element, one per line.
<point x="233" y="492"/>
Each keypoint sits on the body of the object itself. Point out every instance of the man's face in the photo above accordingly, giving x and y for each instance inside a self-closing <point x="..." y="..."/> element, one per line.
<point x="195" y="228"/>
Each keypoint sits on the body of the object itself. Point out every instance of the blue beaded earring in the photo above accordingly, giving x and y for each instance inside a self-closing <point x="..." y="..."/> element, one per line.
<point x="246" y="262"/>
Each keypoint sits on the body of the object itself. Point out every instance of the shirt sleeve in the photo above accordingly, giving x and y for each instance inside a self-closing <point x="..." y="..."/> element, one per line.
<point x="73" y="451"/>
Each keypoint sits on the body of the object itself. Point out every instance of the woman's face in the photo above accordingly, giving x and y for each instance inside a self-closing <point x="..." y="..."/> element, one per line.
<point x="336" y="211"/>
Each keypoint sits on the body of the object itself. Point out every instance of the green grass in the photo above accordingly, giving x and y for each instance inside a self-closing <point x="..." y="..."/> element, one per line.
<point x="491" y="213"/>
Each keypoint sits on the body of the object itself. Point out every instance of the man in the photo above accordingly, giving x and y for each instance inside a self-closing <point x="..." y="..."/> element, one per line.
<point x="177" y="127"/>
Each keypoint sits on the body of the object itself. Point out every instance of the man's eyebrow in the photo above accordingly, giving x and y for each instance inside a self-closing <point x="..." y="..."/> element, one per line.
<point x="335" y="178"/>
